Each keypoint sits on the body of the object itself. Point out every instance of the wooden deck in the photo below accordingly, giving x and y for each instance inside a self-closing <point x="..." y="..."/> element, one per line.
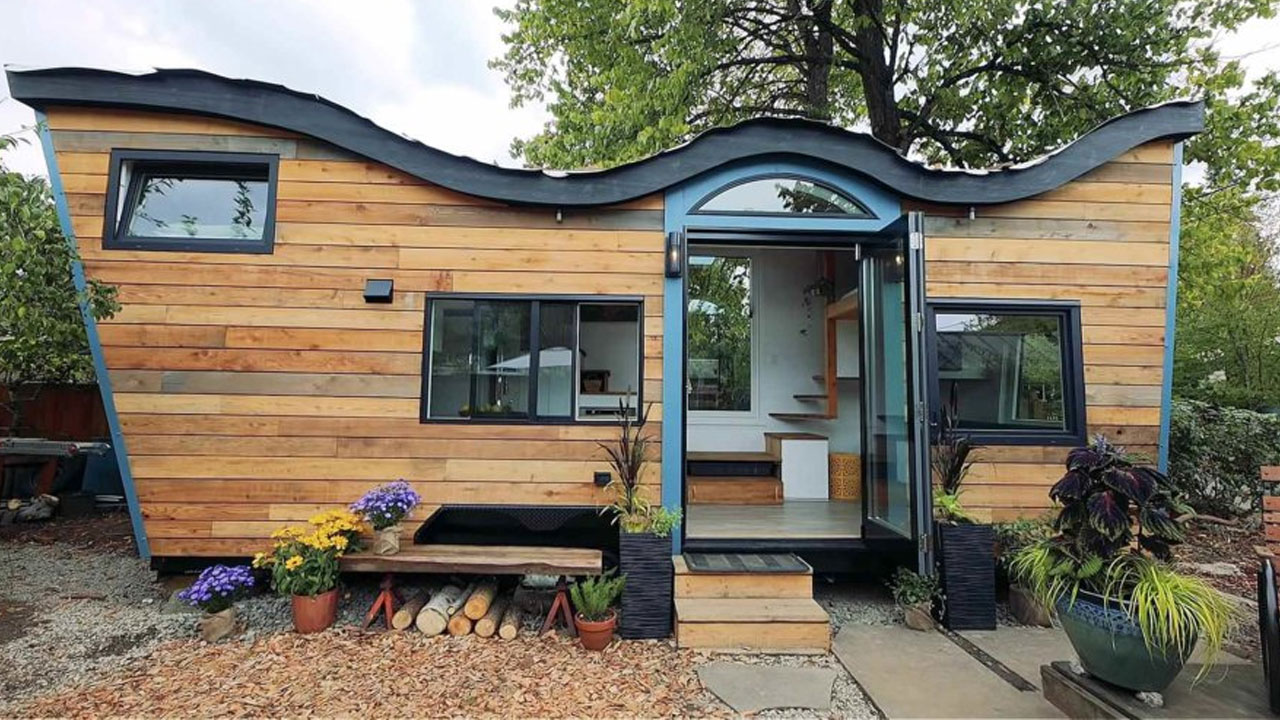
<point x="793" y="519"/>
<point x="478" y="559"/>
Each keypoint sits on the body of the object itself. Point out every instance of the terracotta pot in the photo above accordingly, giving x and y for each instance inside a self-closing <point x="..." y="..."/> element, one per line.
<point x="216" y="626"/>
<point x="386" y="541"/>
<point x="917" y="617"/>
<point x="596" y="635"/>
<point x="313" y="613"/>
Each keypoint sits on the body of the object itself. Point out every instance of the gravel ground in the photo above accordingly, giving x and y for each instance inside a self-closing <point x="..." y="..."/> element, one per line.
<point x="69" y="614"/>
<point x="860" y="602"/>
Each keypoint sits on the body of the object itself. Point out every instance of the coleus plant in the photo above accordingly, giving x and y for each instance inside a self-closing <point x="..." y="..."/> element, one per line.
<point x="1110" y="503"/>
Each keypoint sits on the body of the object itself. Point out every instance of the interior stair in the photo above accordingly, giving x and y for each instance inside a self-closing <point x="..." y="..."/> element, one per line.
<point x="733" y="478"/>
<point x="749" y="611"/>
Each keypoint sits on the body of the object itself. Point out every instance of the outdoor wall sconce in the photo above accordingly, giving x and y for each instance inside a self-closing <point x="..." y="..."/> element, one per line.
<point x="675" y="254"/>
<point x="378" y="291"/>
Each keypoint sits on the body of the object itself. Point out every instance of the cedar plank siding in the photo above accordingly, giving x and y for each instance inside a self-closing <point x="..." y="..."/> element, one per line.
<point x="1103" y="240"/>
<point x="255" y="390"/>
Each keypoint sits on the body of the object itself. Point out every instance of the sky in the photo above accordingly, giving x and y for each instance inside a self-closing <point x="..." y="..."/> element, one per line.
<point x="417" y="68"/>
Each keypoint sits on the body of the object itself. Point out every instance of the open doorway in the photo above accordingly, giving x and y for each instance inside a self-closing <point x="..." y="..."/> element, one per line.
<point x="774" y="426"/>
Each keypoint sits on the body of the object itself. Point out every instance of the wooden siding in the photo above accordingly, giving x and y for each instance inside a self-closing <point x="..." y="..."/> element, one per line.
<point x="255" y="390"/>
<point x="1102" y="240"/>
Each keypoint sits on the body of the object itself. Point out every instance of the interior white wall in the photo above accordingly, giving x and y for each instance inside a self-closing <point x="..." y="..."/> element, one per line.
<point x="784" y="362"/>
<point x="611" y="346"/>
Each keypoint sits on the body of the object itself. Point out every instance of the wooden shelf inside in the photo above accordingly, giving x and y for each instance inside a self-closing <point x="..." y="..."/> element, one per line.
<point x="846" y="308"/>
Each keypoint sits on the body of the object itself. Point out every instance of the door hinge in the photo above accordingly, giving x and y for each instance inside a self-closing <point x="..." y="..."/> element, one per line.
<point x="924" y="543"/>
<point x="915" y="239"/>
<point x="917" y="323"/>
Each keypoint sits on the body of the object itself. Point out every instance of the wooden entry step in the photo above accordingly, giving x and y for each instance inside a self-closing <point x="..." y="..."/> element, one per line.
<point x="733" y="490"/>
<point x="731" y="585"/>
<point x="752" y="611"/>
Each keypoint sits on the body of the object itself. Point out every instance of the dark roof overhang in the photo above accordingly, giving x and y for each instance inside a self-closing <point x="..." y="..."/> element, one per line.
<point x="194" y="91"/>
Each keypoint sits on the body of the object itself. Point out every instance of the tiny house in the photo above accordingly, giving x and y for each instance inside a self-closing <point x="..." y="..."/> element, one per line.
<point x="312" y="304"/>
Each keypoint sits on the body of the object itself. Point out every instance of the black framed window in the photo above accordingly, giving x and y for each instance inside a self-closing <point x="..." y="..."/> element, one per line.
<point x="544" y="359"/>
<point x="1011" y="372"/>
<point x="191" y="201"/>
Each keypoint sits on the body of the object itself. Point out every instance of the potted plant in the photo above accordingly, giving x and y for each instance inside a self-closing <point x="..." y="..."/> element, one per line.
<point x="966" y="548"/>
<point x="1132" y="619"/>
<point x="215" y="592"/>
<point x="914" y="594"/>
<point x="384" y="507"/>
<point x="1011" y="537"/>
<point x="304" y="565"/>
<point x="644" y="538"/>
<point x="594" y="615"/>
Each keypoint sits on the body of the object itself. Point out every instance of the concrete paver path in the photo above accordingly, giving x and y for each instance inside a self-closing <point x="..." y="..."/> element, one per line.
<point x="911" y="674"/>
<point x="752" y="688"/>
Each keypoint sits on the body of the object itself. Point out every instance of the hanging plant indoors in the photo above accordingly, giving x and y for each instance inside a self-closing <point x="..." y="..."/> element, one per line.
<point x="385" y="507"/>
<point x="215" y="592"/>
<point x="1106" y="571"/>
<point x="965" y="547"/>
<point x="644" y="537"/>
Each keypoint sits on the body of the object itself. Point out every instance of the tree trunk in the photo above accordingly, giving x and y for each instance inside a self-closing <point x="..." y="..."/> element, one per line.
<point x="877" y="76"/>
<point x="459" y="624"/>
<point x="819" y="51"/>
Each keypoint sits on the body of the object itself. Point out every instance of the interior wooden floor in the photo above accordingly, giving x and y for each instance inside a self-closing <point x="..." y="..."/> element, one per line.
<point x="799" y="519"/>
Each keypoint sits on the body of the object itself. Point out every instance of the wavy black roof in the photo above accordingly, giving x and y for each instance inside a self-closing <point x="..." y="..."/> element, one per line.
<point x="194" y="91"/>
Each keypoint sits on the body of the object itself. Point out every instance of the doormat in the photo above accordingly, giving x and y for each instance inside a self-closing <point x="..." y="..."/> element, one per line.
<point x="744" y="563"/>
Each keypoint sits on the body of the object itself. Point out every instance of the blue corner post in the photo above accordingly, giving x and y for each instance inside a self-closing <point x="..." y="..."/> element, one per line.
<point x="95" y="343"/>
<point x="1171" y="309"/>
<point x="673" y="388"/>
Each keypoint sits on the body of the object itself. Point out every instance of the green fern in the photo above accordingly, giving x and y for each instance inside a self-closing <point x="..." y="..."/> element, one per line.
<point x="592" y="597"/>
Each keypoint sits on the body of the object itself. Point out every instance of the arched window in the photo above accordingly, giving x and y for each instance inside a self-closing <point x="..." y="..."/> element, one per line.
<point x="782" y="195"/>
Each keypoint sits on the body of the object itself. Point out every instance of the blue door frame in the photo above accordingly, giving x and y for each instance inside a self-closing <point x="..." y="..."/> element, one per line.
<point x="680" y="216"/>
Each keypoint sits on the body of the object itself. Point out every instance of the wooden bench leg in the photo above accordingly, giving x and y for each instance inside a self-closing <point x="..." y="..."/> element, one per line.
<point x="385" y="602"/>
<point x="560" y="606"/>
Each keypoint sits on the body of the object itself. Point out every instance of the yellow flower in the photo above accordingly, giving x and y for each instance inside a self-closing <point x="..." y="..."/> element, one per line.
<point x="260" y="560"/>
<point x="340" y="542"/>
<point x="293" y="563"/>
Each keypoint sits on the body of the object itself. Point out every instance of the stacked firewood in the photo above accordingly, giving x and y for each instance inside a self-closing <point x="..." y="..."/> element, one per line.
<point x="480" y="606"/>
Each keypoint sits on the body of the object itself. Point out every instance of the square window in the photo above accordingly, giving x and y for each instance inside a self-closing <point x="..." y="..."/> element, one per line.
<point x="513" y="359"/>
<point x="1010" y="373"/>
<point x="191" y="201"/>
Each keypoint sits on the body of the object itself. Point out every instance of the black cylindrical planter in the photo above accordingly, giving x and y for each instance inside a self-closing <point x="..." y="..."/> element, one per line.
<point x="966" y="555"/>
<point x="645" y="559"/>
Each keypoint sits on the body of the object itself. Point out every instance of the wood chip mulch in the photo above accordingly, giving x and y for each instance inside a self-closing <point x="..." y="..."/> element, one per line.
<point x="350" y="673"/>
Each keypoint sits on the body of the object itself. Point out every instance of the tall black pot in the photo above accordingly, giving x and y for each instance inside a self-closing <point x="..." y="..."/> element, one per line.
<point x="645" y="559"/>
<point x="966" y="555"/>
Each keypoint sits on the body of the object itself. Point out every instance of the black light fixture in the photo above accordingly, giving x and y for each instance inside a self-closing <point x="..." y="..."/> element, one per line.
<point x="378" y="291"/>
<point x="675" y="254"/>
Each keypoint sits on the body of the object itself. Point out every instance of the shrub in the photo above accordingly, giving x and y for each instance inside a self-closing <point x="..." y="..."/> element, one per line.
<point x="1215" y="454"/>
<point x="912" y="588"/>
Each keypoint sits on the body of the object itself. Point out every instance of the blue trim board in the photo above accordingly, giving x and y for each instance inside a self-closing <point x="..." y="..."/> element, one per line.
<point x="95" y="343"/>
<point x="1171" y="309"/>
<point x="673" y="386"/>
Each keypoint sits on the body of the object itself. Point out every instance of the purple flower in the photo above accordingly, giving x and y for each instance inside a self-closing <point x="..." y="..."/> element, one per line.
<point x="218" y="587"/>
<point x="387" y="505"/>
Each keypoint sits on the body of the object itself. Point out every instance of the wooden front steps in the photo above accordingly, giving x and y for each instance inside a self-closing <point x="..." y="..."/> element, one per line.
<point x="733" y="490"/>
<point x="733" y="478"/>
<point x="754" y="612"/>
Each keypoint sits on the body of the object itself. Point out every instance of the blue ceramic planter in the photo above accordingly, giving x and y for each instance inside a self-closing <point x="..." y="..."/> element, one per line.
<point x="1111" y="647"/>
